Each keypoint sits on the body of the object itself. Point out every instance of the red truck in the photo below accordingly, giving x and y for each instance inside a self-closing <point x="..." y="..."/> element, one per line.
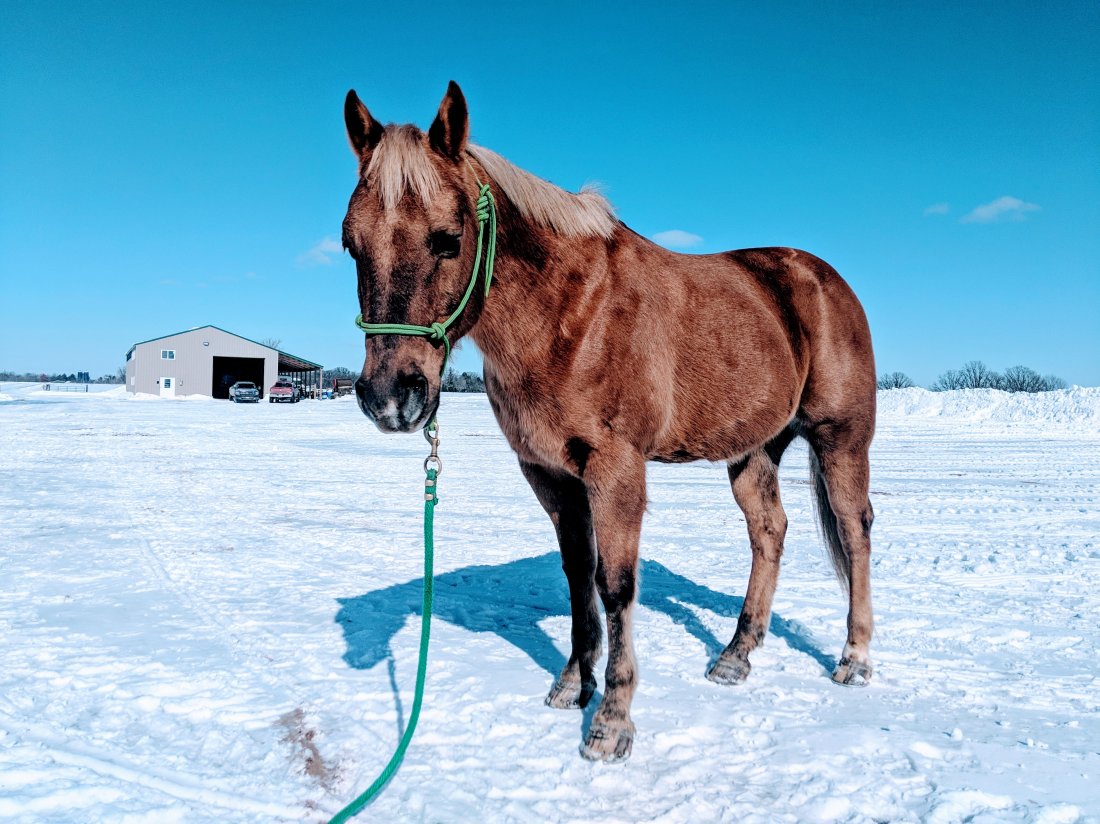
<point x="283" y="391"/>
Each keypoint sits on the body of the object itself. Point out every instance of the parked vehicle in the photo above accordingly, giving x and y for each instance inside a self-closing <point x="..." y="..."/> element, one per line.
<point x="244" y="392"/>
<point x="342" y="386"/>
<point x="284" y="391"/>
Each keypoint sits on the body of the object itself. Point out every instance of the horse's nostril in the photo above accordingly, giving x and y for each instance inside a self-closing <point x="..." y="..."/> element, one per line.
<point x="362" y="391"/>
<point x="413" y="383"/>
<point x="397" y="403"/>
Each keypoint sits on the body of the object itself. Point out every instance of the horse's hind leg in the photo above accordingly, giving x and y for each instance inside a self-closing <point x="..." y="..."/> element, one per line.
<point x="755" y="481"/>
<point x="565" y="500"/>
<point x="841" y="474"/>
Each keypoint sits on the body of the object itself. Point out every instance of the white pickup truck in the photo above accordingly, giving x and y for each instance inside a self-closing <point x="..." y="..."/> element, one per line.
<point x="244" y="392"/>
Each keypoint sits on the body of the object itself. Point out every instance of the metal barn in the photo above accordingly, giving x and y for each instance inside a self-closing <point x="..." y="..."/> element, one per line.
<point x="208" y="360"/>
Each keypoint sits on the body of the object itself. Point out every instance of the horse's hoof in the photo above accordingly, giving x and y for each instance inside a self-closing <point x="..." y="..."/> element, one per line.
<point x="609" y="741"/>
<point x="851" y="673"/>
<point x="729" y="670"/>
<point x="570" y="695"/>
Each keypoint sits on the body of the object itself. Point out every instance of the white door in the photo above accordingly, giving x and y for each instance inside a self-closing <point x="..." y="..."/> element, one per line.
<point x="168" y="387"/>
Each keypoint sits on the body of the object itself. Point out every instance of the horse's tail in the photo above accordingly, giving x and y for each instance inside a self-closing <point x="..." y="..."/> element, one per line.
<point x="826" y="518"/>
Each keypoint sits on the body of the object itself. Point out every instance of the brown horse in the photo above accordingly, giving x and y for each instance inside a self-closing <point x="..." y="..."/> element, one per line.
<point x="603" y="351"/>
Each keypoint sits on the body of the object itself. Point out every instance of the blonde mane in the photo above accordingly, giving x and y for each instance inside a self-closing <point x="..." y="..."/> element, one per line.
<point x="584" y="214"/>
<point x="400" y="164"/>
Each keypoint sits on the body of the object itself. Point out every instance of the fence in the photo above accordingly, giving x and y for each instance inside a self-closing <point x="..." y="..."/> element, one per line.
<point x="65" y="387"/>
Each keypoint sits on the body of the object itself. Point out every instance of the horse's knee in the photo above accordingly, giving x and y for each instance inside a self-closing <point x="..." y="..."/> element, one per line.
<point x="867" y="519"/>
<point x="855" y="526"/>
<point x="617" y="586"/>
<point x="768" y="533"/>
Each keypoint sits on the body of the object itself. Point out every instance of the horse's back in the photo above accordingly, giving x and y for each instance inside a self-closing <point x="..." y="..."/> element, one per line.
<point x="795" y="342"/>
<point x="826" y="318"/>
<point x="732" y="343"/>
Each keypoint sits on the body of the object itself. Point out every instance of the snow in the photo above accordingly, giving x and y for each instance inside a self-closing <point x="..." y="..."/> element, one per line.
<point x="210" y="612"/>
<point x="1077" y="409"/>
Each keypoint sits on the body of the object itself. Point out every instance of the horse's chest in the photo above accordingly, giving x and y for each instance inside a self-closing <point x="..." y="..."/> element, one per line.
<point x="531" y="424"/>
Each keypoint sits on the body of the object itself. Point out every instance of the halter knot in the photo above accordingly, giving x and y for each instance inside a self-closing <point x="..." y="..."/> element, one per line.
<point x="484" y="201"/>
<point x="438" y="333"/>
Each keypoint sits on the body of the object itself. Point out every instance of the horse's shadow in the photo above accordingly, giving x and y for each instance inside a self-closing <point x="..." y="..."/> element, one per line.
<point x="512" y="599"/>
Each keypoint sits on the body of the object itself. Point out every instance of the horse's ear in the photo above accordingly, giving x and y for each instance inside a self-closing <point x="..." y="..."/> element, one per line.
<point x="449" y="132"/>
<point x="364" y="131"/>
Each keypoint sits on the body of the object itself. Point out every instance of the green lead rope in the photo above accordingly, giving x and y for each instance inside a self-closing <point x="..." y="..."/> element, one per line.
<point x="352" y="809"/>
<point x="437" y="333"/>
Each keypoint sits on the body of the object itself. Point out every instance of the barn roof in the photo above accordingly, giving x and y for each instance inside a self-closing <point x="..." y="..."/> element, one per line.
<point x="287" y="362"/>
<point x="292" y="363"/>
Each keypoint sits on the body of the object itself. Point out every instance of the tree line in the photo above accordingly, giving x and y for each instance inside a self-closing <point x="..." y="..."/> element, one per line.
<point x="452" y="381"/>
<point x="976" y="375"/>
<point x="464" y="382"/>
<point x="60" y="377"/>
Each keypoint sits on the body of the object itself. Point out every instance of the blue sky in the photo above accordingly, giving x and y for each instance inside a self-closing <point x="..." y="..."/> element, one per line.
<point x="168" y="165"/>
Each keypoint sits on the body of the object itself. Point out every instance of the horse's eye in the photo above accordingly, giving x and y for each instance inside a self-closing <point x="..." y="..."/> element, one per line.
<point x="444" y="244"/>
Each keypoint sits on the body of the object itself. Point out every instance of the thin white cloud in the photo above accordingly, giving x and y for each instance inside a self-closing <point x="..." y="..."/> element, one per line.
<point x="677" y="238"/>
<point x="321" y="253"/>
<point x="938" y="209"/>
<point x="1001" y="210"/>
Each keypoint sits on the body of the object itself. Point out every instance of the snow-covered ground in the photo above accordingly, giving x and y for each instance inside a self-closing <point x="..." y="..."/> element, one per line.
<point x="210" y="613"/>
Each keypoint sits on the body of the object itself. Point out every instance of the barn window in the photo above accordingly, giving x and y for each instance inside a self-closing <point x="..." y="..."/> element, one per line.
<point x="167" y="354"/>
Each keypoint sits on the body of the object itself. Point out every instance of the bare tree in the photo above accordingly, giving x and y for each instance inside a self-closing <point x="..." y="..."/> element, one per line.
<point x="272" y="343"/>
<point x="951" y="379"/>
<point x="1052" y="382"/>
<point x="340" y="373"/>
<point x="466" y="382"/>
<point x="1022" y="379"/>
<point x="976" y="375"/>
<point x="979" y="376"/>
<point x="895" y="380"/>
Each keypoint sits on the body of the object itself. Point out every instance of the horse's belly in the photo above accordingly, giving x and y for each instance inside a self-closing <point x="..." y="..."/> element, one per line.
<point x="725" y="444"/>
<point x="722" y="432"/>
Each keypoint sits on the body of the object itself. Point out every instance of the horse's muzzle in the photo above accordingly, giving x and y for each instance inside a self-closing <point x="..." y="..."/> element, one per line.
<point x="400" y="406"/>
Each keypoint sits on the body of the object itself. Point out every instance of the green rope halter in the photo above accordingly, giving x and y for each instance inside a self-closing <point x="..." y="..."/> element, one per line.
<point x="437" y="333"/>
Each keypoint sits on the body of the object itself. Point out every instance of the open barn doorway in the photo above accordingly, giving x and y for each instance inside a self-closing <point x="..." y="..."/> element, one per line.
<point x="227" y="371"/>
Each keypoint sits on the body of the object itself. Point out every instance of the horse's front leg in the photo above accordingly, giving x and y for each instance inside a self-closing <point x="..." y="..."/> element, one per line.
<point x="615" y="478"/>
<point x="565" y="500"/>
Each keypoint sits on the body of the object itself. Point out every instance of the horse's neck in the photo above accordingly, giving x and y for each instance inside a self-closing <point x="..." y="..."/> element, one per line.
<point x="540" y="275"/>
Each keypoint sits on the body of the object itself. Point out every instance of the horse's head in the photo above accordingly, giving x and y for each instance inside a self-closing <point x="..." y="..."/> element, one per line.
<point x="411" y="228"/>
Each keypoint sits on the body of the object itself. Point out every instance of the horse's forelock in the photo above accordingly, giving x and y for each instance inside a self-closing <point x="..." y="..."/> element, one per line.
<point x="400" y="165"/>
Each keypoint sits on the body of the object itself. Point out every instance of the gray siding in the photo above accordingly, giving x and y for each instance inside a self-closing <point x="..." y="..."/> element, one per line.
<point x="193" y="365"/>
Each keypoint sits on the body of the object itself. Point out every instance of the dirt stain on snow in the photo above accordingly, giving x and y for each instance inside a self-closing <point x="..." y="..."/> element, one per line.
<point x="300" y="736"/>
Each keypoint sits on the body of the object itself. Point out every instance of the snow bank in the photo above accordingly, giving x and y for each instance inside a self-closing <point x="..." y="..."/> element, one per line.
<point x="1077" y="407"/>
